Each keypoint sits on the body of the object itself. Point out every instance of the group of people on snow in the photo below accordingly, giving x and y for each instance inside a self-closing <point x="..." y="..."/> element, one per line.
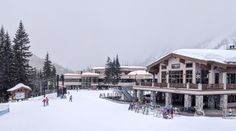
<point x="45" y="101"/>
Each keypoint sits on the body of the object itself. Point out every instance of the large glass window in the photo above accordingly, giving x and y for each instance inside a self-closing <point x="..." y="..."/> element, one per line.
<point x="231" y="78"/>
<point x="189" y="76"/>
<point x="163" y="76"/>
<point x="176" y="76"/>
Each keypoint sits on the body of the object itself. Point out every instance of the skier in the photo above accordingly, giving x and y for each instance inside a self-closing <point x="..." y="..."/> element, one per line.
<point x="44" y="102"/>
<point x="70" y="98"/>
<point x="47" y="101"/>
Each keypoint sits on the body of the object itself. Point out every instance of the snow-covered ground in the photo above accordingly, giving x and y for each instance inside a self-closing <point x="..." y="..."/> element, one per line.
<point x="89" y="113"/>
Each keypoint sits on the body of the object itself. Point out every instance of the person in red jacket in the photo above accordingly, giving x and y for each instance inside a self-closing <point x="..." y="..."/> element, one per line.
<point x="47" y="101"/>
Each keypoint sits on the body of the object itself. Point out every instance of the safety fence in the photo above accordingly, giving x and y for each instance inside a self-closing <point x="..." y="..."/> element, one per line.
<point x="4" y="109"/>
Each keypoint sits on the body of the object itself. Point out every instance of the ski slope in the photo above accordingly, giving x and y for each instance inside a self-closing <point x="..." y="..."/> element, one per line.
<point x="87" y="112"/>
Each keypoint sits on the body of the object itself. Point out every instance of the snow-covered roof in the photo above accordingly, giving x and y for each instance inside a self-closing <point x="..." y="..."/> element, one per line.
<point x="71" y="74"/>
<point x="139" y="72"/>
<point x="89" y="74"/>
<point x="122" y="67"/>
<point x="216" y="55"/>
<point x="18" y="86"/>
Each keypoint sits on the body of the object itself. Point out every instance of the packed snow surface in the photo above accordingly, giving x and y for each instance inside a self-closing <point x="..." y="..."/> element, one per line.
<point x="216" y="55"/>
<point x="87" y="112"/>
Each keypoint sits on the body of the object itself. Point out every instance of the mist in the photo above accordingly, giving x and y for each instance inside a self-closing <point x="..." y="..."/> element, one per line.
<point x="78" y="33"/>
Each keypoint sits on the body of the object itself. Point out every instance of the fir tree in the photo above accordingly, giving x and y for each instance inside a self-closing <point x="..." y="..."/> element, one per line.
<point x="2" y="40"/>
<point x="108" y="75"/>
<point x="53" y="76"/>
<point x="112" y="71"/>
<point x="7" y="66"/>
<point x="49" y="73"/>
<point x="47" y="68"/>
<point x="21" y="56"/>
<point x="116" y="70"/>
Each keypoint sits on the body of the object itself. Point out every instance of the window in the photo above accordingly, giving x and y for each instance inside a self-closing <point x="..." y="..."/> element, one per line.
<point x="217" y="78"/>
<point x="163" y="67"/>
<point x="189" y="65"/>
<point x="231" y="98"/>
<point x="189" y="76"/>
<point x="231" y="78"/>
<point x="163" y="77"/>
<point x="175" y="66"/>
<point x="175" y="76"/>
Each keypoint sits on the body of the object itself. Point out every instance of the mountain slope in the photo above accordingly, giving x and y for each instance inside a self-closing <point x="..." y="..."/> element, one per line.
<point x="221" y="42"/>
<point x="37" y="62"/>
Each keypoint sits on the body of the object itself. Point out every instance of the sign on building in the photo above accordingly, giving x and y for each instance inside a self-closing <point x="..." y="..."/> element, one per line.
<point x="20" y="95"/>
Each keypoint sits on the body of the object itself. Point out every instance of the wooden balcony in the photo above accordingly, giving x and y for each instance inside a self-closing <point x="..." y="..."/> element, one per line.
<point x="212" y="86"/>
<point x="193" y="86"/>
<point x="178" y="85"/>
<point x="190" y="86"/>
<point x="231" y="86"/>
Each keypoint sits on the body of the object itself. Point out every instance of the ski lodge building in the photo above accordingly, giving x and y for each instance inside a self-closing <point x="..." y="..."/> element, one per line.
<point x="95" y="79"/>
<point x="201" y="78"/>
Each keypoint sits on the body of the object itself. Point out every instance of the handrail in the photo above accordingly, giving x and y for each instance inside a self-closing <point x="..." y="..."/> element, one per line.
<point x="231" y="86"/>
<point x="212" y="86"/>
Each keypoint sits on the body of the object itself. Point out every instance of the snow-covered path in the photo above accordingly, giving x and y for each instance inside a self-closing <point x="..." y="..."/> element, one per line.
<point x="89" y="113"/>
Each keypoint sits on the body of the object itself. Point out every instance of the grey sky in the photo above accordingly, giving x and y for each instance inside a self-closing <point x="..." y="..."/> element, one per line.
<point x="81" y="33"/>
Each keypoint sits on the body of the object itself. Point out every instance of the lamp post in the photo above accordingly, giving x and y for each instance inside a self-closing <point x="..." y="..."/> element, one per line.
<point x="135" y="77"/>
<point x="57" y="85"/>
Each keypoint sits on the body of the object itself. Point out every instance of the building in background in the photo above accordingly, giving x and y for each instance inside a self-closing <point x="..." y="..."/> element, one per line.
<point x="96" y="77"/>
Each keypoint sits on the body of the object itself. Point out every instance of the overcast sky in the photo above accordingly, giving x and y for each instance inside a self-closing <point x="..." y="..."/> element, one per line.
<point x="81" y="33"/>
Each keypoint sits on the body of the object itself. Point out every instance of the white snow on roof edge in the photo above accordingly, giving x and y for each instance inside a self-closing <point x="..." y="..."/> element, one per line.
<point x="18" y="86"/>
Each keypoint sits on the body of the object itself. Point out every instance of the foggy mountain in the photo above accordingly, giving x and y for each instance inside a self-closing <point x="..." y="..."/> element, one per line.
<point x="221" y="42"/>
<point x="38" y="62"/>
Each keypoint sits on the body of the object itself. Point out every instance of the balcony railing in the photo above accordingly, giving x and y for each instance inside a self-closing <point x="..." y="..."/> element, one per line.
<point x="231" y="86"/>
<point x="177" y="85"/>
<point x="188" y="86"/>
<point x="212" y="86"/>
<point x="146" y="83"/>
<point x="161" y="85"/>
<point x="193" y="86"/>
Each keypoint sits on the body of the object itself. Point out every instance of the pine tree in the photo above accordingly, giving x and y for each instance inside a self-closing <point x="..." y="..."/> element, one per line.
<point x="7" y="65"/>
<point x="2" y="40"/>
<point x="47" y="68"/>
<point x="112" y="71"/>
<point x="108" y="71"/>
<point x="21" y="56"/>
<point x="117" y="70"/>
<point x="53" y="76"/>
<point x="49" y="73"/>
